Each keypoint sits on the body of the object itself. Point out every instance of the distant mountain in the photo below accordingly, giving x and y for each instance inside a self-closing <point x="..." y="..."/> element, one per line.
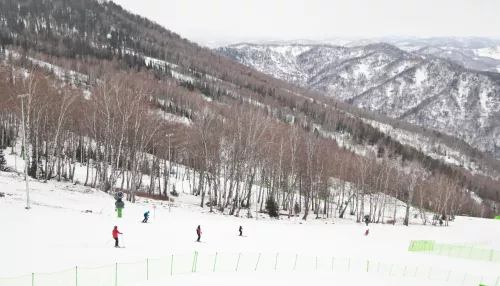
<point x="481" y="54"/>
<point x="473" y="53"/>
<point x="415" y="85"/>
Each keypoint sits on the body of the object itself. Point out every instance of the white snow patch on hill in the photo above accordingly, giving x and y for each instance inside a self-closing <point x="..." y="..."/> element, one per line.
<point x="492" y="52"/>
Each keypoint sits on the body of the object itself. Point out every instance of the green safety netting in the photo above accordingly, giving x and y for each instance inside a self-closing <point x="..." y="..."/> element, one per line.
<point x="125" y="274"/>
<point x="465" y="250"/>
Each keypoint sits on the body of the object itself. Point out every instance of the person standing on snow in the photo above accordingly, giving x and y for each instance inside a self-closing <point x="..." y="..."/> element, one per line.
<point x="116" y="232"/>
<point x="146" y="216"/>
<point x="241" y="230"/>
<point x="198" y="232"/>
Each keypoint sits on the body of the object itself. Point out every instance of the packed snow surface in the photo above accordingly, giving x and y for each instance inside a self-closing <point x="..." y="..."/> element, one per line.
<point x="59" y="233"/>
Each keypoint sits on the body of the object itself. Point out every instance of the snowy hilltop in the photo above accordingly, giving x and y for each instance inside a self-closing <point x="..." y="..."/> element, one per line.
<point x="415" y="86"/>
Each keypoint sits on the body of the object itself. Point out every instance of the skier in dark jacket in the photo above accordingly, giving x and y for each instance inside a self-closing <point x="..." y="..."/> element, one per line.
<point x="146" y="216"/>
<point x="241" y="230"/>
<point x="198" y="232"/>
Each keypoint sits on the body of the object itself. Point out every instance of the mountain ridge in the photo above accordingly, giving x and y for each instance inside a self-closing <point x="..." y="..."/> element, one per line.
<point x="361" y="75"/>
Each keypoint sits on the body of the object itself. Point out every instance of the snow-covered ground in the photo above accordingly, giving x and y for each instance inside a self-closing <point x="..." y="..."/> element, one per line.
<point x="57" y="234"/>
<point x="491" y="52"/>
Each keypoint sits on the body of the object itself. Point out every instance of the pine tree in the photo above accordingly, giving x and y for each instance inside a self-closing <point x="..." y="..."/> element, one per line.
<point x="3" y="162"/>
<point x="272" y="207"/>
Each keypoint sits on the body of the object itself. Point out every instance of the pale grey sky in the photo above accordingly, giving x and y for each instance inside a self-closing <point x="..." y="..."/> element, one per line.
<point x="201" y="20"/>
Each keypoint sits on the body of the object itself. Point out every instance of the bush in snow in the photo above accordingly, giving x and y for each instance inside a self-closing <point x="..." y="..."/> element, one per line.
<point x="174" y="193"/>
<point x="296" y="208"/>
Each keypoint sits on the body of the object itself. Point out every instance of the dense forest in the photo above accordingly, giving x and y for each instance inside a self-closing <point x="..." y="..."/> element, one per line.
<point x="247" y="134"/>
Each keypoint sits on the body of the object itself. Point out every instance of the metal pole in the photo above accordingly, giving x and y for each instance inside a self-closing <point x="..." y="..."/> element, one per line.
<point x="26" y="160"/>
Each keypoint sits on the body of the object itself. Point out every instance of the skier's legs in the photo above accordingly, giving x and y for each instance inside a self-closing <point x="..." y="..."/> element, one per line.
<point x="116" y="242"/>
<point x="199" y="236"/>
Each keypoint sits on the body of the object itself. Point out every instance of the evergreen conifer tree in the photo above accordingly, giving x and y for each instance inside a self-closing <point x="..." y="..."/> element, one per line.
<point x="3" y="162"/>
<point x="272" y="207"/>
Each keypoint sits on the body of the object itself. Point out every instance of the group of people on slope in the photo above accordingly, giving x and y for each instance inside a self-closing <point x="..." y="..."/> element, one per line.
<point x="116" y="232"/>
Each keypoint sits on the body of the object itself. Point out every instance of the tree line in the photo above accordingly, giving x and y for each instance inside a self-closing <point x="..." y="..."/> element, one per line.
<point x="237" y="156"/>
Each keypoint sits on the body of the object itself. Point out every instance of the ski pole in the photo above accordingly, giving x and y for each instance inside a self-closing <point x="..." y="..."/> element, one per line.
<point x="123" y="240"/>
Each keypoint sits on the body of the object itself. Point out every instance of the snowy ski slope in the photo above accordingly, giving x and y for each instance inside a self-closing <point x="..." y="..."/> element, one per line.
<point x="56" y="234"/>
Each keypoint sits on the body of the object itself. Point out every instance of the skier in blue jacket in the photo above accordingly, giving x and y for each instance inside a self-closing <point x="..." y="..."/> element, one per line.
<point x="146" y="216"/>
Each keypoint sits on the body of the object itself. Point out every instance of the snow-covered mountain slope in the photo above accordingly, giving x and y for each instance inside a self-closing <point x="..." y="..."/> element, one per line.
<point x="415" y="86"/>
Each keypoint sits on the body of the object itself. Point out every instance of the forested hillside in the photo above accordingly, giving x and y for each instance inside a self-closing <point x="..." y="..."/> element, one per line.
<point x="127" y="98"/>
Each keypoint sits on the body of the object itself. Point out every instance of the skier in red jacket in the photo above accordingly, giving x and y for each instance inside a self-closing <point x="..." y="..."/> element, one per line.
<point x="367" y="232"/>
<point x="198" y="232"/>
<point x="116" y="232"/>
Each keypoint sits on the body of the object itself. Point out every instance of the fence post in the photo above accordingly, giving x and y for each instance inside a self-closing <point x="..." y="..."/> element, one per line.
<point x="430" y="271"/>
<point x="76" y="275"/>
<point x="404" y="272"/>
<point x="193" y="267"/>
<point x="32" y="279"/>
<point x="449" y="272"/>
<point x="390" y="272"/>
<point x="172" y="265"/>
<point x="147" y="268"/>
<point x="116" y="274"/>
<point x="215" y="260"/>
<point x="276" y="263"/>
<point x="491" y="255"/>
<point x="349" y="265"/>
<point x="416" y="270"/>
<point x="316" y="263"/>
<point x="238" y="263"/>
<point x="257" y="264"/>
<point x="367" y="265"/>
<point x="498" y="278"/>
<point x="464" y="278"/>
<point x="196" y="263"/>
<point x="333" y="261"/>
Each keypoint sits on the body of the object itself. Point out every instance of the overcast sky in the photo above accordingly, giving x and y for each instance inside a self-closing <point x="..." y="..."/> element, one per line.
<point x="202" y="20"/>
